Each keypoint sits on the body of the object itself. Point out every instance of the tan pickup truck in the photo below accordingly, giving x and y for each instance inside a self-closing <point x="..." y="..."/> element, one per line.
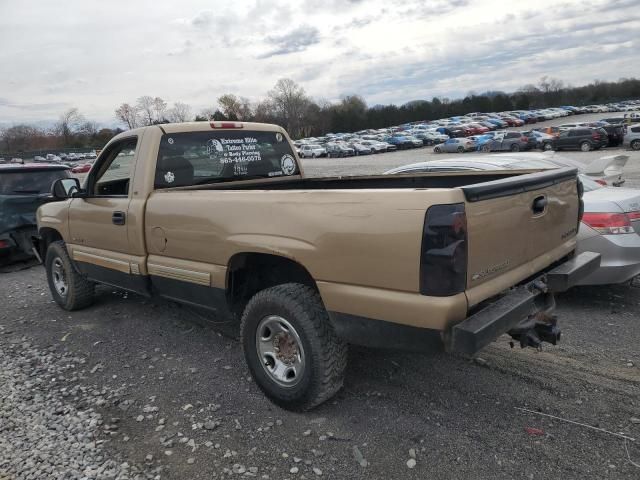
<point x="219" y="215"/>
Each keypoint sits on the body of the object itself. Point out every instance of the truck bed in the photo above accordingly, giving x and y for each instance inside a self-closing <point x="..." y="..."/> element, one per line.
<point x="476" y="185"/>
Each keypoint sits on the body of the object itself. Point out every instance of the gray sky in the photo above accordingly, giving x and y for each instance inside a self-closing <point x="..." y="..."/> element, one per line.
<point x="96" y="55"/>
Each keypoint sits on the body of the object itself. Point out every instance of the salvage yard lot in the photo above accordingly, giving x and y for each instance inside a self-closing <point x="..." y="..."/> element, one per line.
<point x="152" y="388"/>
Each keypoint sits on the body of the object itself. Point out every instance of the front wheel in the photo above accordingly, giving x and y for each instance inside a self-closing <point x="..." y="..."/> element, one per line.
<point x="68" y="288"/>
<point x="547" y="147"/>
<point x="460" y="149"/>
<point x="486" y="148"/>
<point x="635" y="145"/>
<point x="585" y="146"/>
<point x="437" y="150"/>
<point x="291" y="349"/>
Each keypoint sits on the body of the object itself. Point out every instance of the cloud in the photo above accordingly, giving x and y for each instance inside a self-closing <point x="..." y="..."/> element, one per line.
<point x="386" y="50"/>
<point x="295" y="41"/>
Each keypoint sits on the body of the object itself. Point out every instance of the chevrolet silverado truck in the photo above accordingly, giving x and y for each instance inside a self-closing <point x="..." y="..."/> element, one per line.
<point x="219" y="215"/>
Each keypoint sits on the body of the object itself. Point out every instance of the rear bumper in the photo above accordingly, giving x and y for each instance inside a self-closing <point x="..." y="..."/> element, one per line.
<point x="620" y="258"/>
<point x="520" y="304"/>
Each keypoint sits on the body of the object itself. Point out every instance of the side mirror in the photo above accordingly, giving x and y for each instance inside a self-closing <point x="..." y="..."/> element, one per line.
<point x="64" y="188"/>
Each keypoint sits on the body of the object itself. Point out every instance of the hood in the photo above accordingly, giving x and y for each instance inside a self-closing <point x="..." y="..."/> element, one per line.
<point x="19" y="211"/>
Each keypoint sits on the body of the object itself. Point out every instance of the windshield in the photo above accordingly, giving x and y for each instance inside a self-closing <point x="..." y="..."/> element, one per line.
<point x="29" y="181"/>
<point x="193" y="158"/>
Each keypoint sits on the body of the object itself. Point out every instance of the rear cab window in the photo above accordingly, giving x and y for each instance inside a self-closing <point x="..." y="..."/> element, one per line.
<point x="195" y="158"/>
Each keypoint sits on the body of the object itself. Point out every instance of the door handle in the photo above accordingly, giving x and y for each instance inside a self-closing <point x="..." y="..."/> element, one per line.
<point x="539" y="205"/>
<point x="118" y="218"/>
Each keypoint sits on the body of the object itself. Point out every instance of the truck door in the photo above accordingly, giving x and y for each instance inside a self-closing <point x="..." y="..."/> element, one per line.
<point x="98" y="222"/>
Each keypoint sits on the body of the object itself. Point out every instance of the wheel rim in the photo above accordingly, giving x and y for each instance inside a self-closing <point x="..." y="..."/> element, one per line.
<point x="280" y="350"/>
<point x="59" y="277"/>
<point x="585" y="147"/>
<point x="547" y="146"/>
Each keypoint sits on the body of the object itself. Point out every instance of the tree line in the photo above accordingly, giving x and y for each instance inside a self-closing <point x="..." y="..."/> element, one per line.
<point x="287" y="104"/>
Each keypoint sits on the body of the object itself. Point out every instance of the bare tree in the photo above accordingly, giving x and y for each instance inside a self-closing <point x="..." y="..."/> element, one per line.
<point x="128" y="115"/>
<point x="68" y="123"/>
<point x="89" y="128"/>
<point x="550" y="84"/>
<point x="235" y="108"/>
<point x="145" y="106"/>
<point x="180" y="112"/>
<point x="159" y="109"/>
<point x="290" y="103"/>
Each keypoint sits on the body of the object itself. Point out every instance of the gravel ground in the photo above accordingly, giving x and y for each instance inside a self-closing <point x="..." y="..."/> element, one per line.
<point x="143" y="388"/>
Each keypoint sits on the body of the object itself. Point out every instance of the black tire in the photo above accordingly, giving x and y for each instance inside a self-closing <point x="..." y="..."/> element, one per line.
<point x="515" y="147"/>
<point x="437" y="150"/>
<point x="325" y="355"/>
<point x="486" y="148"/>
<point x="635" y="145"/>
<point x="78" y="291"/>
<point x="328" y="155"/>
<point x="313" y="155"/>
<point x="585" y="146"/>
<point x="460" y="149"/>
<point x="547" y="146"/>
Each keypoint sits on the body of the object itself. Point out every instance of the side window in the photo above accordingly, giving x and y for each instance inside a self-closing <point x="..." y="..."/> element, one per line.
<point x="635" y="129"/>
<point x="114" y="171"/>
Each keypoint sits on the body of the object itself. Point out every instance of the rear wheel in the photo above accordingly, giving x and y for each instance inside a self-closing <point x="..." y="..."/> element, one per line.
<point x="292" y="351"/>
<point x="486" y="148"/>
<point x="460" y="149"/>
<point x="515" y="147"/>
<point x="313" y="155"/>
<point x="68" y="288"/>
<point x="585" y="146"/>
<point x="635" y="145"/>
<point x="547" y="146"/>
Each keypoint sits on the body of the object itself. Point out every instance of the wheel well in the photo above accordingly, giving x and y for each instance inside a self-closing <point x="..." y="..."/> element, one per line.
<point x="47" y="237"/>
<point x="248" y="273"/>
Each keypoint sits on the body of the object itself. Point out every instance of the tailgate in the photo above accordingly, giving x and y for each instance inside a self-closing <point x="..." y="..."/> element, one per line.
<point x="515" y="221"/>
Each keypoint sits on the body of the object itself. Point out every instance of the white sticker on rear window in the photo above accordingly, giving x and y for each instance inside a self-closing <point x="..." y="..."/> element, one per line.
<point x="234" y="150"/>
<point x="288" y="164"/>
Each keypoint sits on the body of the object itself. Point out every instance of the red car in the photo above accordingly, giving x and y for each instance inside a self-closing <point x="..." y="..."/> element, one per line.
<point x="477" y="129"/>
<point x="84" y="168"/>
<point x="512" y="121"/>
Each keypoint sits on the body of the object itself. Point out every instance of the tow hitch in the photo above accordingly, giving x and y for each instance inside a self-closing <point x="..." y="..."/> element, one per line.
<point x="524" y="312"/>
<point x="538" y="327"/>
<point x="542" y="327"/>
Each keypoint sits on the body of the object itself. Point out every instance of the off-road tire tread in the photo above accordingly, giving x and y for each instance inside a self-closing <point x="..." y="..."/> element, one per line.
<point x="81" y="290"/>
<point x="329" y="351"/>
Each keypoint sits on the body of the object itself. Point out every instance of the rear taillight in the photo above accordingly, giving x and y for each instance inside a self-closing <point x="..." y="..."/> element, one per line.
<point x="4" y="244"/>
<point x="633" y="216"/>
<point x="443" y="260"/>
<point x="524" y="139"/>
<point x="601" y="181"/>
<point x="609" y="223"/>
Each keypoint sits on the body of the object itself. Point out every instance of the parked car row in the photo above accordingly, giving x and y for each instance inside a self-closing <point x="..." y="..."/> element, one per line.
<point x="485" y="132"/>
